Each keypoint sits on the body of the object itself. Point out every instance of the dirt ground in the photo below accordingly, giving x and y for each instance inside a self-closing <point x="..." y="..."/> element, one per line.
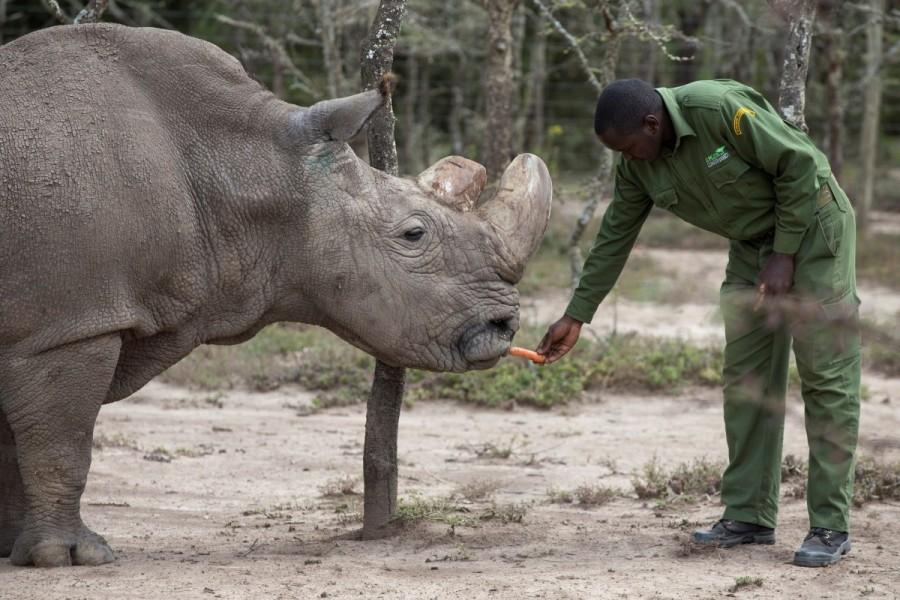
<point x="232" y="504"/>
<point x="223" y="495"/>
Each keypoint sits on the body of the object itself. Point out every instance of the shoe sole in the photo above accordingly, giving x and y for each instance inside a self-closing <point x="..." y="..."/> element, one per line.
<point x="821" y="561"/>
<point x="767" y="538"/>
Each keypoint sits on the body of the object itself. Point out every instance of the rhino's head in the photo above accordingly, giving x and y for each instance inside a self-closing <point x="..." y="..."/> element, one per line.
<point x="418" y="272"/>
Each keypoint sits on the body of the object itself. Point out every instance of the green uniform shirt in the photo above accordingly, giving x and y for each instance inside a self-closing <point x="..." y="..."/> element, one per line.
<point x="737" y="169"/>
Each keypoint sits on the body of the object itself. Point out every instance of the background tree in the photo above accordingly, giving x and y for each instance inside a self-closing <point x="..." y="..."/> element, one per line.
<point x="871" y="111"/>
<point x="383" y="414"/>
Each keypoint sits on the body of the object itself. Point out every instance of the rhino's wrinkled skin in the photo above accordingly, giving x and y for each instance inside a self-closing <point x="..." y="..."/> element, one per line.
<point x="154" y="198"/>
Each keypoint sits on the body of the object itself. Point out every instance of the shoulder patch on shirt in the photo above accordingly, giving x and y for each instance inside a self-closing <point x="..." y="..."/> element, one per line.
<point x="736" y="122"/>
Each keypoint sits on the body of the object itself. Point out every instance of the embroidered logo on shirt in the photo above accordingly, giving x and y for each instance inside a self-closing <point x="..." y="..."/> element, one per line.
<point x="736" y="122"/>
<point x="718" y="156"/>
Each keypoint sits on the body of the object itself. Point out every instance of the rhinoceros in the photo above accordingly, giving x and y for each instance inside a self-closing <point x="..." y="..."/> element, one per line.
<point x="154" y="197"/>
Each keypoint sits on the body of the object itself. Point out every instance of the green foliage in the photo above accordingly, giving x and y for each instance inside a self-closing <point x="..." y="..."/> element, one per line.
<point x="687" y="481"/>
<point x="417" y="508"/>
<point x="745" y="582"/>
<point x="316" y="360"/>
<point x="584" y="495"/>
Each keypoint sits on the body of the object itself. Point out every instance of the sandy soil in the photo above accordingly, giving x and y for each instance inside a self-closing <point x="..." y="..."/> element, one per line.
<point x="239" y="512"/>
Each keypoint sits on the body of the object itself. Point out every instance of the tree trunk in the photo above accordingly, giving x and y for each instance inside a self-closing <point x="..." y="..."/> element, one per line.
<point x="868" y="142"/>
<point x="833" y="50"/>
<point x="331" y="51"/>
<point x="457" y="106"/>
<point x="383" y="413"/>
<point x="792" y="87"/>
<point x="500" y="89"/>
<point x="410" y="126"/>
<point x="534" y="125"/>
<point x="423" y="98"/>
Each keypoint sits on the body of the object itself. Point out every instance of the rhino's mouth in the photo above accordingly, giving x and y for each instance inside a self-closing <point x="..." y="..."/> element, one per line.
<point x="484" y="344"/>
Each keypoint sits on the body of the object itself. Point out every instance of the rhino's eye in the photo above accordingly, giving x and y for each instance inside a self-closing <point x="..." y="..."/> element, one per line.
<point x="414" y="235"/>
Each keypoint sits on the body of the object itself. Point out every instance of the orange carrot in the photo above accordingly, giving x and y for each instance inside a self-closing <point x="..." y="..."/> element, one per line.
<point x="526" y="353"/>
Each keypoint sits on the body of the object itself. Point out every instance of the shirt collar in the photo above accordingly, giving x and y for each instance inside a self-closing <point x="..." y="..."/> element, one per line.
<point x="679" y="123"/>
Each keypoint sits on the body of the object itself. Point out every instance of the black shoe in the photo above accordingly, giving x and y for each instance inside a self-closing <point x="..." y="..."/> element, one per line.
<point x="727" y="533"/>
<point x="822" y="547"/>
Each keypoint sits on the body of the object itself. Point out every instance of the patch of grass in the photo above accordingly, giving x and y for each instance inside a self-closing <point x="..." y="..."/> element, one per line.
<point x="745" y="582"/>
<point x="505" y="513"/>
<point x="558" y="496"/>
<point x="877" y="257"/>
<point x="663" y="230"/>
<point x="881" y="346"/>
<point x="341" y="486"/>
<point x="687" y="481"/>
<point x="477" y="490"/>
<point x="625" y="362"/>
<point x="585" y="495"/>
<point x="644" y="279"/>
<point x="116" y="440"/>
<point x="876" y="481"/>
<point x="439" y="510"/>
<point x="445" y="510"/>
<point x="317" y="360"/>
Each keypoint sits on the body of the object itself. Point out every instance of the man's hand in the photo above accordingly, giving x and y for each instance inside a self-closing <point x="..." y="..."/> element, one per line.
<point x="559" y="339"/>
<point x="775" y="280"/>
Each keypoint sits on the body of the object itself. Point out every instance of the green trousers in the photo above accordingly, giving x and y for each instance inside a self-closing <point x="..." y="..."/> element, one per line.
<point x="822" y="320"/>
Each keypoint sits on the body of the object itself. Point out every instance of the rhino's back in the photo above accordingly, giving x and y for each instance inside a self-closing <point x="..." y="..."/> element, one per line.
<point x="96" y="205"/>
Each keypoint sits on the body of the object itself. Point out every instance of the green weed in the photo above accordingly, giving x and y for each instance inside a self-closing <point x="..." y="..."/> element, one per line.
<point x="685" y="482"/>
<point x="745" y="582"/>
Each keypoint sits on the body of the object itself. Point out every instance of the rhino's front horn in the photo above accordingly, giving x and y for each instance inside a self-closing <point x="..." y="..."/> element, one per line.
<point x="520" y="211"/>
<point x="455" y="181"/>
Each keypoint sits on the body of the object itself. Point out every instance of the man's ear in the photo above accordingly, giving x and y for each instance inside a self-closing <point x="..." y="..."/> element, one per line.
<point x="652" y="125"/>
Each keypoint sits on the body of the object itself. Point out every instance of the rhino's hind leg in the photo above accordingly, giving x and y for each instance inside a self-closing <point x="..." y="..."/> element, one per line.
<point x="12" y="497"/>
<point x="55" y="397"/>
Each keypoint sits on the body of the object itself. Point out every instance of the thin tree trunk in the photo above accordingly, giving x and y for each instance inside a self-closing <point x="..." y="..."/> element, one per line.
<point x="500" y="90"/>
<point x="792" y="87"/>
<point x="331" y="52"/>
<point x="423" y="136"/>
<point x="834" y="53"/>
<point x="530" y="125"/>
<point x="410" y="127"/>
<point x="871" y="108"/>
<point x="455" y="118"/>
<point x="383" y="413"/>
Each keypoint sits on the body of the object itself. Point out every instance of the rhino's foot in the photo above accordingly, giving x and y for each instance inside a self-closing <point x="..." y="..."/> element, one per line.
<point x="61" y="549"/>
<point x="6" y="543"/>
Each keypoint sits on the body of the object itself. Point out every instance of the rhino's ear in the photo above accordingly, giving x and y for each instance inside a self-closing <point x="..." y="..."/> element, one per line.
<point x="339" y="119"/>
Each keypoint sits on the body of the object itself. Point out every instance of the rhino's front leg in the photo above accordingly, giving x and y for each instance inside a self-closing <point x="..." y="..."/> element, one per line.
<point x="12" y="497"/>
<point x="51" y="402"/>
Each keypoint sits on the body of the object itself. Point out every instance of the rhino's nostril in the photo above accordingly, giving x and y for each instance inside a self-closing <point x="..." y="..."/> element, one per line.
<point x="506" y="325"/>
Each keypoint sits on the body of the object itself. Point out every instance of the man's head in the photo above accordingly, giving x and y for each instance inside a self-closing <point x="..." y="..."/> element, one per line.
<point x="630" y="119"/>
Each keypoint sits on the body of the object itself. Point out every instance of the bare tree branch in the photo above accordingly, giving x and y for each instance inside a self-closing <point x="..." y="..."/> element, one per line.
<point x="53" y="7"/>
<point x="92" y="12"/>
<point x="277" y="51"/>
<point x="573" y="44"/>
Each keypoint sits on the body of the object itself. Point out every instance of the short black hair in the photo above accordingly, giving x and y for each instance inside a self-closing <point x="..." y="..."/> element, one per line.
<point x="623" y="104"/>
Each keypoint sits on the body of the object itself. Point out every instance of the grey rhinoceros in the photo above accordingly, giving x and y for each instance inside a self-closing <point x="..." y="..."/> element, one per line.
<point x="153" y="197"/>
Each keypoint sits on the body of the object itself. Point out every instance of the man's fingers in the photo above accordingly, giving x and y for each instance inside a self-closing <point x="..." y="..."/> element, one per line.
<point x="760" y="297"/>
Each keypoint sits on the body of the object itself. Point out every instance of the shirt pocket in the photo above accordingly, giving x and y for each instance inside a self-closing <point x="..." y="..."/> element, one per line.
<point x="665" y="198"/>
<point x="727" y="177"/>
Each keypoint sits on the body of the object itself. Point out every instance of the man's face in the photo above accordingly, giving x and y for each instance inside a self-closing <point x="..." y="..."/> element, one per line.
<point x="643" y="144"/>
